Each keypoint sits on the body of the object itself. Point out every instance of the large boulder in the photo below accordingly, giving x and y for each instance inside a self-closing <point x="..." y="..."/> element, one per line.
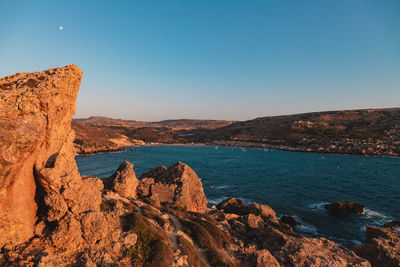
<point x="123" y="181"/>
<point x="35" y="117"/>
<point x="381" y="247"/>
<point x="177" y="185"/>
<point x="237" y="206"/>
<point x="345" y="208"/>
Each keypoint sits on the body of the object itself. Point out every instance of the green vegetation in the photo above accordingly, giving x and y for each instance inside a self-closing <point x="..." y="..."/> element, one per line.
<point x="219" y="236"/>
<point x="204" y="236"/>
<point x="153" y="215"/>
<point x="151" y="248"/>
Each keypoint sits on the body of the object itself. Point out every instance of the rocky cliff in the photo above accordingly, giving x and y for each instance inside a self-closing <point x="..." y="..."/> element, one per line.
<point x="51" y="216"/>
<point x="35" y="119"/>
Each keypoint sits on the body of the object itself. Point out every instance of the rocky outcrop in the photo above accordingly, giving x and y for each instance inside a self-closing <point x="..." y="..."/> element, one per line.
<point x="292" y="250"/>
<point x="35" y="117"/>
<point x="286" y="246"/>
<point x="237" y="206"/>
<point x="289" y="220"/>
<point x="123" y="181"/>
<point x="345" y="208"/>
<point x="382" y="246"/>
<point x="177" y="185"/>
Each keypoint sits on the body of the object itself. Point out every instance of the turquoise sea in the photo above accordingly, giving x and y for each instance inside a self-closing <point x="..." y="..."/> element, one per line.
<point x="292" y="183"/>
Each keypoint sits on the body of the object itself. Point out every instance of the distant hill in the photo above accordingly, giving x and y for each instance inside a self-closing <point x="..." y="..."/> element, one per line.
<point x="368" y="131"/>
<point x="92" y="139"/>
<point x="179" y="124"/>
<point x="100" y="134"/>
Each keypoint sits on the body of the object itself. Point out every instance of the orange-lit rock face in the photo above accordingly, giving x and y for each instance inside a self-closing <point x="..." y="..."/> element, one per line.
<point x="178" y="185"/>
<point x="35" y="116"/>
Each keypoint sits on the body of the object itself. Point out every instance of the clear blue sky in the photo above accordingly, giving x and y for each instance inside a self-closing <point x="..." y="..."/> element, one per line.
<point x="154" y="60"/>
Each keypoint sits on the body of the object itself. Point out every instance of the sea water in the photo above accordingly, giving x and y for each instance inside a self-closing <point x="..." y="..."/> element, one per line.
<point x="292" y="183"/>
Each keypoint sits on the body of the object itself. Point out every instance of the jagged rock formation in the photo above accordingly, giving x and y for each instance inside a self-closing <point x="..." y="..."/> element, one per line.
<point x="237" y="206"/>
<point x="263" y="232"/>
<point x="123" y="181"/>
<point x="382" y="246"/>
<point x="177" y="185"/>
<point x="51" y="216"/>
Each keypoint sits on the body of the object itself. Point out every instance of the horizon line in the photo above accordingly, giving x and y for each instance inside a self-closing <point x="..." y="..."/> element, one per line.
<point x="292" y="114"/>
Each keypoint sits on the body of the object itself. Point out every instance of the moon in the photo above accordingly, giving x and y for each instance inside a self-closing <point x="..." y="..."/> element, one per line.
<point x="61" y="28"/>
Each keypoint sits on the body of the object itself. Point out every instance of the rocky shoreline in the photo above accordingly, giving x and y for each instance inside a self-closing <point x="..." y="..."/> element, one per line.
<point x="329" y="148"/>
<point x="355" y="132"/>
<point x="312" y="149"/>
<point x="256" y="145"/>
<point x="50" y="215"/>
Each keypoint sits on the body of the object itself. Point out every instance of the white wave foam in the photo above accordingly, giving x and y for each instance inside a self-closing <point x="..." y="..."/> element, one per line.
<point x="303" y="227"/>
<point x="219" y="186"/>
<point x="307" y="228"/>
<point x="374" y="214"/>
<point x="217" y="200"/>
<point x="376" y="217"/>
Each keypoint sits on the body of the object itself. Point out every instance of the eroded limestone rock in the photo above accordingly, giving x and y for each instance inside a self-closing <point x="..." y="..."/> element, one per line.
<point x="178" y="185"/>
<point x="382" y="246"/>
<point x="123" y="181"/>
<point x="35" y="117"/>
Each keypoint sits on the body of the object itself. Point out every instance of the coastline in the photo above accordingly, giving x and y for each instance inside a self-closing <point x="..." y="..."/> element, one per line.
<point x="241" y="145"/>
<point x="126" y="148"/>
<point x="324" y="150"/>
